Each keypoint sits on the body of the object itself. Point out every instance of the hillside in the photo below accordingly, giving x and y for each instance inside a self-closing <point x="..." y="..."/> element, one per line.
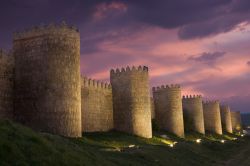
<point x="22" y="146"/>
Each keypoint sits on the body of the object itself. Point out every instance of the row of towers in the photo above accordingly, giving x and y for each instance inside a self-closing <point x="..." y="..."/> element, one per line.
<point x="41" y="87"/>
<point x="178" y="114"/>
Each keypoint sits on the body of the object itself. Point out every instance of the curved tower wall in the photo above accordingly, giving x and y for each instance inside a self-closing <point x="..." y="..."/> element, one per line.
<point x="152" y="108"/>
<point x="6" y="85"/>
<point x="236" y="121"/>
<point x="226" y="118"/>
<point x="212" y="118"/>
<point x="168" y="109"/>
<point x="47" y="79"/>
<point x="131" y="101"/>
<point x="193" y="114"/>
<point x="97" y="106"/>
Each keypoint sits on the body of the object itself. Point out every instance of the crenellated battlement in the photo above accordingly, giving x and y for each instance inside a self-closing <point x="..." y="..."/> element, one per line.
<point x="166" y="87"/>
<point x="191" y="97"/>
<point x="210" y="102"/>
<point x="42" y="30"/>
<point x="128" y="70"/>
<point x="88" y="82"/>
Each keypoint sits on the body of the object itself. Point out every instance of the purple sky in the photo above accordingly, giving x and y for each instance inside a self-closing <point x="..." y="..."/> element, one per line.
<point x="201" y="44"/>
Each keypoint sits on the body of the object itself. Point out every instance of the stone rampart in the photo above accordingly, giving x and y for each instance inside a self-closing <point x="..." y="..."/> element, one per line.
<point x="97" y="106"/>
<point x="212" y="118"/>
<point x="168" y="109"/>
<point x="226" y="118"/>
<point x="6" y="85"/>
<point x="193" y="114"/>
<point x="47" y="79"/>
<point x="131" y="101"/>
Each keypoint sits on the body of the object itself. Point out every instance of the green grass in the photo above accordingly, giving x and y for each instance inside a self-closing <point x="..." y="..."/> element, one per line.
<point x="22" y="146"/>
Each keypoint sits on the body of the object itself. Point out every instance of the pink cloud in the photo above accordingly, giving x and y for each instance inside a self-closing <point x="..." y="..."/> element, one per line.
<point x="168" y="59"/>
<point x="102" y="10"/>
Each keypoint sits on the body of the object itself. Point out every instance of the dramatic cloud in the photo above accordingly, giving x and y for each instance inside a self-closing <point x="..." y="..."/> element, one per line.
<point x="112" y="9"/>
<point x="201" y="44"/>
<point x="208" y="58"/>
<point x="195" y="18"/>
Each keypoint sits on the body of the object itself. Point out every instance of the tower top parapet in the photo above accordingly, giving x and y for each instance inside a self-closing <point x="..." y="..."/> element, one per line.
<point x="128" y="70"/>
<point x="166" y="87"/>
<point x="191" y="97"/>
<point x="211" y="102"/>
<point x="42" y="30"/>
<point x="88" y="82"/>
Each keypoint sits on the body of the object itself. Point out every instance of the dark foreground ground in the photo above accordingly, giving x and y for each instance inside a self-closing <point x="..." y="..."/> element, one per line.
<point x="22" y="146"/>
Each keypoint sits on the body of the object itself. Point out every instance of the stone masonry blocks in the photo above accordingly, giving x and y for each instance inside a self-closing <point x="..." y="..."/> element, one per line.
<point x="168" y="109"/>
<point x="236" y="121"/>
<point x="212" y="118"/>
<point x="131" y="101"/>
<point x="97" y="106"/>
<point x="193" y="114"/>
<point x="226" y="118"/>
<point x="47" y="79"/>
<point x="6" y="85"/>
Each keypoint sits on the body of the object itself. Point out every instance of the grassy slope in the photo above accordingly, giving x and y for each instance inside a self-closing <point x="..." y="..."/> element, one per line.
<point x="22" y="146"/>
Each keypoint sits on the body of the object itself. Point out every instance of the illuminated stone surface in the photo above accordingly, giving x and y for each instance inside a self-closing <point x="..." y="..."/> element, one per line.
<point x="236" y="121"/>
<point x="226" y="118"/>
<point x="212" y="118"/>
<point x="131" y="101"/>
<point x="97" y="106"/>
<point x="47" y="79"/>
<point x="168" y="109"/>
<point x="193" y="114"/>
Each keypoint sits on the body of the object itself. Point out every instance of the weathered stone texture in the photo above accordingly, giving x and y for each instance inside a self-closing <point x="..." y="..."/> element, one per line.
<point x="97" y="106"/>
<point x="236" y="121"/>
<point x="152" y="108"/>
<point x="131" y="101"/>
<point x="47" y="80"/>
<point x="6" y="85"/>
<point x="212" y="118"/>
<point x="193" y="114"/>
<point x="168" y="109"/>
<point x="226" y="118"/>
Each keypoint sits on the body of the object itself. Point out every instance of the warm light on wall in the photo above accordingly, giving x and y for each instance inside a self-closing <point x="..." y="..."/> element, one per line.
<point x="222" y="141"/>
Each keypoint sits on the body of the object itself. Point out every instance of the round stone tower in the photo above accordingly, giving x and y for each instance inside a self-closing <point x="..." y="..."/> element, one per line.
<point x="212" y="119"/>
<point x="6" y="85"/>
<point x="193" y="114"/>
<point x="226" y="118"/>
<point x="131" y="101"/>
<point x="47" y="79"/>
<point x="236" y="121"/>
<point x="168" y="109"/>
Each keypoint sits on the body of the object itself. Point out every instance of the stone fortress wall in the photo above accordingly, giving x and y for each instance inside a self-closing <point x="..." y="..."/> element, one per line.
<point x="226" y="118"/>
<point x="152" y="108"/>
<point x="236" y="121"/>
<point x="47" y="79"/>
<point x="193" y="114"/>
<point x="97" y="106"/>
<point x="131" y="101"/>
<point x="41" y="87"/>
<point x="168" y="109"/>
<point x="212" y="118"/>
<point x="6" y="85"/>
